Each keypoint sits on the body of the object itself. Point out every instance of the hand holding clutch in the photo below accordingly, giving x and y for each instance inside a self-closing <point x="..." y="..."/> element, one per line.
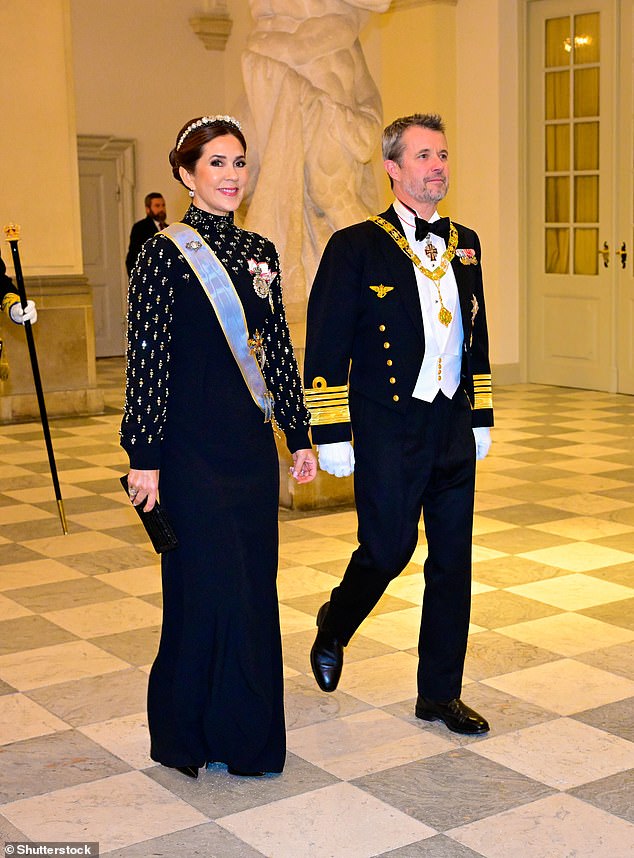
<point x="155" y="523"/>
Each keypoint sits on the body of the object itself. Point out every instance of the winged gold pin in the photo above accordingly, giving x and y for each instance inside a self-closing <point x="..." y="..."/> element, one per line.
<point x="381" y="290"/>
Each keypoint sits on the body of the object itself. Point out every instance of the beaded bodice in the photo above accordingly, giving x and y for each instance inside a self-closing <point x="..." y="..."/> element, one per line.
<point x="219" y="231"/>
<point x="160" y="275"/>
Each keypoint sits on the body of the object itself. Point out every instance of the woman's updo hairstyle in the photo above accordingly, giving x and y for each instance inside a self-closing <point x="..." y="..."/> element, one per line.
<point x="193" y="136"/>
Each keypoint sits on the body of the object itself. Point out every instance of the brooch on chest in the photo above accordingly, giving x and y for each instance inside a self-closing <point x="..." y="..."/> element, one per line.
<point x="262" y="279"/>
<point x="256" y="347"/>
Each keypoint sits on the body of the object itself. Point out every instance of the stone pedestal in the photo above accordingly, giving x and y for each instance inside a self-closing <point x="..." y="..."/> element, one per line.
<point x="65" y="341"/>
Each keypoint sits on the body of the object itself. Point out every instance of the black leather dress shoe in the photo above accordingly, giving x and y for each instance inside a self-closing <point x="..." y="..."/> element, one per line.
<point x="242" y="774"/>
<point x="455" y="714"/>
<point x="326" y="656"/>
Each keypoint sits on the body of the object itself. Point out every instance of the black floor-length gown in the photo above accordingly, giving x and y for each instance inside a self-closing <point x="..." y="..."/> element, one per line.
<point x="215" y="689"/>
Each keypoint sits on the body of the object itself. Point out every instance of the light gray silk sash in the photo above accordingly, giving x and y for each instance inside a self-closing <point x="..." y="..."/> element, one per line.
<point x="227" y="306"/>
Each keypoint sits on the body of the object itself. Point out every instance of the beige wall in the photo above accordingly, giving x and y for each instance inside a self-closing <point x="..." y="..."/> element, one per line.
<point x="488" y="146"/>
<point x="141" y="72"/>
<point x="242" y="22"/>
<point x="40" y="191"/>
<point x="418" y="69"/>
<point x="38" y="151"/>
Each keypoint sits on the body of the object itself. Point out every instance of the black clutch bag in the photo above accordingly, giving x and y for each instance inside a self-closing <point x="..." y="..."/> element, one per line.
<point x="155" y="523"/>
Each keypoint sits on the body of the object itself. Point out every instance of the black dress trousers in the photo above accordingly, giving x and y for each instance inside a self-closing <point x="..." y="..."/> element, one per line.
<point x="423" y="460"/>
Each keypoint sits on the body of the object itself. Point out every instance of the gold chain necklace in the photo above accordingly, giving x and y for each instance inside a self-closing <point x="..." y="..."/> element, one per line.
<point x="444" y="315"/>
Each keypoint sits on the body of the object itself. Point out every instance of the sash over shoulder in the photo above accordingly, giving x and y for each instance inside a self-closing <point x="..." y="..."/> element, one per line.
<point x="227" y="306"/>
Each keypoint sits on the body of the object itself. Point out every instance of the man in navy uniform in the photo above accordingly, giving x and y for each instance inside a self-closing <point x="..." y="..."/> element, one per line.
<point x="153" y="222"/>
<point x="397" y="358"/>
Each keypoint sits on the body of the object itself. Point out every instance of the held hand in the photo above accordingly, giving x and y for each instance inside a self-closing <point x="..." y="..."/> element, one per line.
<point x="20" y="315"/>
<point x="336" y="459"/>
<point x="142" y="485"/>
<point x="304" y="468"/>
<point x="482" y="435"/>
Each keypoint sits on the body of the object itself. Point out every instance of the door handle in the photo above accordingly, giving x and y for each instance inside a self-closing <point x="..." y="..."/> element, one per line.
<point x="605" y="253"/>
<point x="623" y="254"/>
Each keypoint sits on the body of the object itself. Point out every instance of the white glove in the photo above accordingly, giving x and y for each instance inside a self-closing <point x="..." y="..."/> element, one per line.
<point x="482" y="435"/>
<point x="20" y="316"/>
<point x="336" y="459"/>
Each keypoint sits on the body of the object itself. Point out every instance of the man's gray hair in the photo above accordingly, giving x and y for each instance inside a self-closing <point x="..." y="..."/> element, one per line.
<point x="392" y="143"/>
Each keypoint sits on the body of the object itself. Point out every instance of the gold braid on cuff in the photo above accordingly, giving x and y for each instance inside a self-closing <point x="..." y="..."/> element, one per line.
<point x="482" y="390"/>
<point x="327" y="404"/>
<point x="8" y="301"/>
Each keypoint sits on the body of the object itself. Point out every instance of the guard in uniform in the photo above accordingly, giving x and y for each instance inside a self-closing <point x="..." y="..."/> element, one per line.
<point x="397" y="358"/>
<point x="10" y="300"/>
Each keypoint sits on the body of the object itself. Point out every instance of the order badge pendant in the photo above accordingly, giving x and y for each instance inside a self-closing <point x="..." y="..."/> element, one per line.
<point x="262" y="279"/>
<point x="445" y="317"/>
<point x="261" y="286"/>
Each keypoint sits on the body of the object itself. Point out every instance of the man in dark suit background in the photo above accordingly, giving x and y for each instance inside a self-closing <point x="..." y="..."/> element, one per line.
<point x="153" y="222"/>
<point x="397" y="357"/>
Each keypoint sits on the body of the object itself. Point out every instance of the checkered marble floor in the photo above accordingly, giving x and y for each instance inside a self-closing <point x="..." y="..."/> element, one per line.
<point x="550" y="663"/>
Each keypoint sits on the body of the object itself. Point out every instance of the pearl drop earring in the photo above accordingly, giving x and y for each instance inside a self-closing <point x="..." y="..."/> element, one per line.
<point x="191" y="193"/>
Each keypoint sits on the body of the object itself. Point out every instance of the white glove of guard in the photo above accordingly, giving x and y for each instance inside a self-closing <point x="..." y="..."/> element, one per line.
<point x="20" y="316"/>
<point x="336" y="459"/>
<point x="482" y="435"/>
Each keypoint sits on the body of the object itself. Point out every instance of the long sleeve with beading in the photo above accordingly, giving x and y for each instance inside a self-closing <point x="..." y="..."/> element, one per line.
<point x="150" y="304"/>
<point x="280" y="369"/>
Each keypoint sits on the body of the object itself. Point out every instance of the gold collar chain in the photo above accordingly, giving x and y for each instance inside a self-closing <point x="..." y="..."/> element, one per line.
<point x="444" y="315"/>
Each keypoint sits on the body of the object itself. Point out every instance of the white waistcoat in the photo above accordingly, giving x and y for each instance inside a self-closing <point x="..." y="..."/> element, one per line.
<point x="442" y="362"/>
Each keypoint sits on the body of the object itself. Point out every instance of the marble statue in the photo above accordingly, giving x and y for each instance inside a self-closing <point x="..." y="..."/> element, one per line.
<point x="315" y="121"/>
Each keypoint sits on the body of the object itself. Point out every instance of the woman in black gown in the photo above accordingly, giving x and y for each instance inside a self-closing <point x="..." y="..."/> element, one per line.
<point x="215" y="690"/>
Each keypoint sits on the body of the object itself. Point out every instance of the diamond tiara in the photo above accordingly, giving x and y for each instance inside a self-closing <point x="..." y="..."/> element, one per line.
<point x="207" y="120"/>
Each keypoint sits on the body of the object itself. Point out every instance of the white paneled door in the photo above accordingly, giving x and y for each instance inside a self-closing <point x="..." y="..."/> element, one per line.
<point x="106" y="184"/>
<point x="580" y="194"/>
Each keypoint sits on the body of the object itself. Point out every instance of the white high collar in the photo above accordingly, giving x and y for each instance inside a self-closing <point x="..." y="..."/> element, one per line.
<point x="406" y="214"/>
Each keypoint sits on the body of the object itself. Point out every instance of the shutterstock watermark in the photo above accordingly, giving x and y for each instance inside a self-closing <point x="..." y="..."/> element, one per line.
<point x="14" y="847"/>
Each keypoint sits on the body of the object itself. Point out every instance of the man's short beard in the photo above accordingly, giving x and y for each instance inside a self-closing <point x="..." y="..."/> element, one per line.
<point x="438" y="195"/>
<point x="425" y="196"/>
